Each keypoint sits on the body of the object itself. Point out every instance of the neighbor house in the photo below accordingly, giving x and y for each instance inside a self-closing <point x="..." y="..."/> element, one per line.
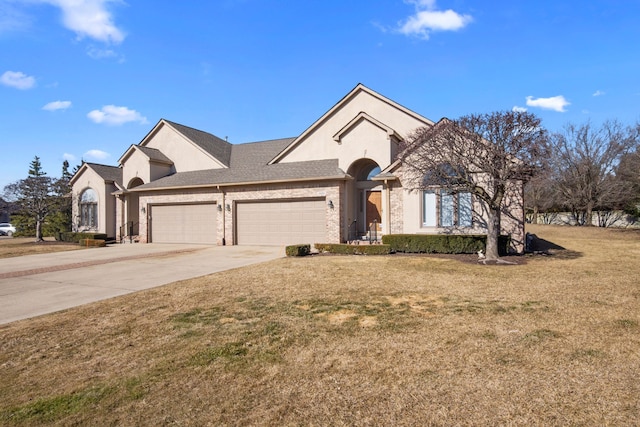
<point x="338" y="181"/>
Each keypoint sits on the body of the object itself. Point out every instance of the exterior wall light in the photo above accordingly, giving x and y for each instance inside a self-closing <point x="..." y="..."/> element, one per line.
<point x="143" y="210"/>
<point x="330" y="204"/>
<point x="228" y="207"/>
<point x="219" y="208"/>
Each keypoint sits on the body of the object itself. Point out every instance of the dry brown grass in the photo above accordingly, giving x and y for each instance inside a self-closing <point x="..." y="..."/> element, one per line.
<point x="20" y="246"/>
<point x="354" y="340"/>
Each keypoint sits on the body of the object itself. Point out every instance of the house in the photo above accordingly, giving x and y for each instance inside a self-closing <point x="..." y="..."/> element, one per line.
<point x="337" y="181"/>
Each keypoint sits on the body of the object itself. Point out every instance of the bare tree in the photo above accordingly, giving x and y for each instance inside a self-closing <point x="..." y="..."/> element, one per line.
<point x="585" y="162"/>
<point x="629" y="170"/>
<point x="488" y="155"/>
<point x="540" y="198"/>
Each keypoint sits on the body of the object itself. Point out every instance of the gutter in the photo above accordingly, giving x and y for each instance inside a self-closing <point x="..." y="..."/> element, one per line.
<point x="140" y="189"/>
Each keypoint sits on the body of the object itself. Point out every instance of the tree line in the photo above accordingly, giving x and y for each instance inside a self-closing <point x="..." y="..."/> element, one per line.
<point x="592" y="173"/>
<point x="40" y="205"/>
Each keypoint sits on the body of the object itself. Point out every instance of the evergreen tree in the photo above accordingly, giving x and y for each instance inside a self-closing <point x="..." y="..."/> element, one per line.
<point x="35" y="197"/>
<point x="35" y="168"/>
<point x="60" y="218"/>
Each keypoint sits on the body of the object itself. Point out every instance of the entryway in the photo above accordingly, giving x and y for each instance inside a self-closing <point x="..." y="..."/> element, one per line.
<point x="364" y="211"/>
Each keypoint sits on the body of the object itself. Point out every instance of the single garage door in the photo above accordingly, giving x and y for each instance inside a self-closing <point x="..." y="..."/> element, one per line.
<point x="281" y="222"/>
<point x="183" y="223"/>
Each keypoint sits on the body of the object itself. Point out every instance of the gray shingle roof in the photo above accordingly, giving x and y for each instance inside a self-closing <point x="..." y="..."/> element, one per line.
<point x="278" y="172"/>
<point x="154" y="154"/>
<point x="217" y="147"/>
<point x="108" y="173"/>
<point x="249" y="164"/>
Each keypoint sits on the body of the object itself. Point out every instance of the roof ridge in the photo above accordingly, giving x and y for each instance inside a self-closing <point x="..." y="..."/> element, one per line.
<point x="215" y="146"/>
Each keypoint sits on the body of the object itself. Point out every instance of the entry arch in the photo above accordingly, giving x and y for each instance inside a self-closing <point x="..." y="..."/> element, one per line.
<point x="133" y="208"/>
<point x="364" y="196"/>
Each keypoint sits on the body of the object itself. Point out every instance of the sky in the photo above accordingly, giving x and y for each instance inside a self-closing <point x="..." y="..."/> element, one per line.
<point x="86" y="79"/>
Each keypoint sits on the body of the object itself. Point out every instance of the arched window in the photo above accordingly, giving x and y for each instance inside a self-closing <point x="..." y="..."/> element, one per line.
<point x="89" y="209"/>
<point x="373" y="172"/>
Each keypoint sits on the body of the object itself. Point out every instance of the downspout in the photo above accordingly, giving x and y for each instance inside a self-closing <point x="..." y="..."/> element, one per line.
<point x="387" y="214"/>
<point x="224" y="214"/>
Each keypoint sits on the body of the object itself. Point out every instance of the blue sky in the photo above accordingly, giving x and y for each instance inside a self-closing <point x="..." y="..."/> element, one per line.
<point x="85" y="79"/>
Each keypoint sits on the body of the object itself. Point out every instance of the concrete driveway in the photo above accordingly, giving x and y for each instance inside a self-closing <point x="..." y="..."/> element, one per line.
<point x="39" y="284"/>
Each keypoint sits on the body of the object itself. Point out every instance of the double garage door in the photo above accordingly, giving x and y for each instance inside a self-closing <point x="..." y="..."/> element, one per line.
<point x="184" y="223"/>
<point x="257" y="223"/>
<point x="281" y="222"/>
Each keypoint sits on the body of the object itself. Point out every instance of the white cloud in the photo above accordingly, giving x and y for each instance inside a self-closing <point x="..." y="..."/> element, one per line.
<point x="555" y="103"/>
<point x="57" y="105"/>
<point x="89" y="18"/>
<point x="599" y="93"/>
<point x="427" y="19"/>
<point x="17" y="80"/>
<point x="96" y="154"/>
<point x="69" y="157"/>
<point x="113" y="115"/>
<point x="97" y="53"/>
<point x="517" y="109"/>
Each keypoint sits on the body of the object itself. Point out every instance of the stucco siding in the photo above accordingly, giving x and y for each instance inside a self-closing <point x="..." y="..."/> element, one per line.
<point x="185" y="155"/>
<point x="136" y="166"/>
<point x="365" y="141"/>
<point x="90" y="179"/>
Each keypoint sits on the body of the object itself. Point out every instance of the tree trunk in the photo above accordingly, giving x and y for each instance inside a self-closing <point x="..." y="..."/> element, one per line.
<point x="39" y="230"/>
<point x="493" y="232"/>
<point x="588" y="216"/>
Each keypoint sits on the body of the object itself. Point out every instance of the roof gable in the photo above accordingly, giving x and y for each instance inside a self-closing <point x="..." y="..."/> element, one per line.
<point x="153" y="154"/>
<point x="362" y="117"/>
<point x="107" y="173"/>
<point x="211" y="144"/>
<point x="355" y="93"/>
<point x="213" y="148"/>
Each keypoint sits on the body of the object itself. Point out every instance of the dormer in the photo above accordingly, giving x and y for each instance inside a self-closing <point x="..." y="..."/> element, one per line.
<point x="146" y="164"/>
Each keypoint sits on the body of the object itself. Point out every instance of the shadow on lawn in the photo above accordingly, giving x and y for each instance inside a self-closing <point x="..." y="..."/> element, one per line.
<point x="538" y="246"/>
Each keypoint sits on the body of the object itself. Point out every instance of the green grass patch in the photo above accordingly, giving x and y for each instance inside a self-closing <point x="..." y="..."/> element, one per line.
<point x="229" y="352"/>
<point x="540" y="335"/>
<point x="50" y="409"/>
<point x="626" y="323"/>
<point x="587" y="354"/>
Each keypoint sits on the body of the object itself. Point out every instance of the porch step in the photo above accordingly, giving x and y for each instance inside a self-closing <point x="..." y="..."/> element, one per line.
<point x="365" y="241"/>
<point x="130" y="239"/>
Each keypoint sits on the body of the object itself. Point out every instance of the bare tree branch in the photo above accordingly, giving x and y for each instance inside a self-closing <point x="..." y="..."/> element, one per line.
<point x="486" y="155"/>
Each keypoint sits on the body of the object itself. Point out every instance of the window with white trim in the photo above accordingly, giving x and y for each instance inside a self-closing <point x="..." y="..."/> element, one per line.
<point x="89" y="209"/>
<point x="442" y="208"/>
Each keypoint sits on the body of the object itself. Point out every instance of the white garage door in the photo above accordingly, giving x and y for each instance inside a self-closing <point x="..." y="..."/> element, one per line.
<point x="183" y="223"/>
<point x="281" y="222"/>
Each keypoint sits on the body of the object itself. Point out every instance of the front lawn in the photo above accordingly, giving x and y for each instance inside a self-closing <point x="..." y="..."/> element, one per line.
<point x="20" y="246"/>
<point x="348" y="340"/>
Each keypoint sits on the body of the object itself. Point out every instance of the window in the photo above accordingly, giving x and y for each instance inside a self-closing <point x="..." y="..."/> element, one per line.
<point x="441" y="208"/>
<point x="89" y="209"/>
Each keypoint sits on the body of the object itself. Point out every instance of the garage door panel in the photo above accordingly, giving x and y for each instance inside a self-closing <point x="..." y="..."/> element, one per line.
<point x="183" y="223"/>
<point x="280" y="223"/>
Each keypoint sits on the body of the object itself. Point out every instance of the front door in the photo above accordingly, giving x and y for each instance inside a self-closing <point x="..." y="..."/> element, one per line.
<point x="374" y="210"/>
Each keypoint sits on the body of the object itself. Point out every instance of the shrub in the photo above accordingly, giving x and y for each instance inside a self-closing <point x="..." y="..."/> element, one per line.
<point x="442" y="243"/>
<point x="298" y="250"/>
<point x="344" y="249"/>
<point x="72" y="237"/>
<point x="96" y="243"/>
